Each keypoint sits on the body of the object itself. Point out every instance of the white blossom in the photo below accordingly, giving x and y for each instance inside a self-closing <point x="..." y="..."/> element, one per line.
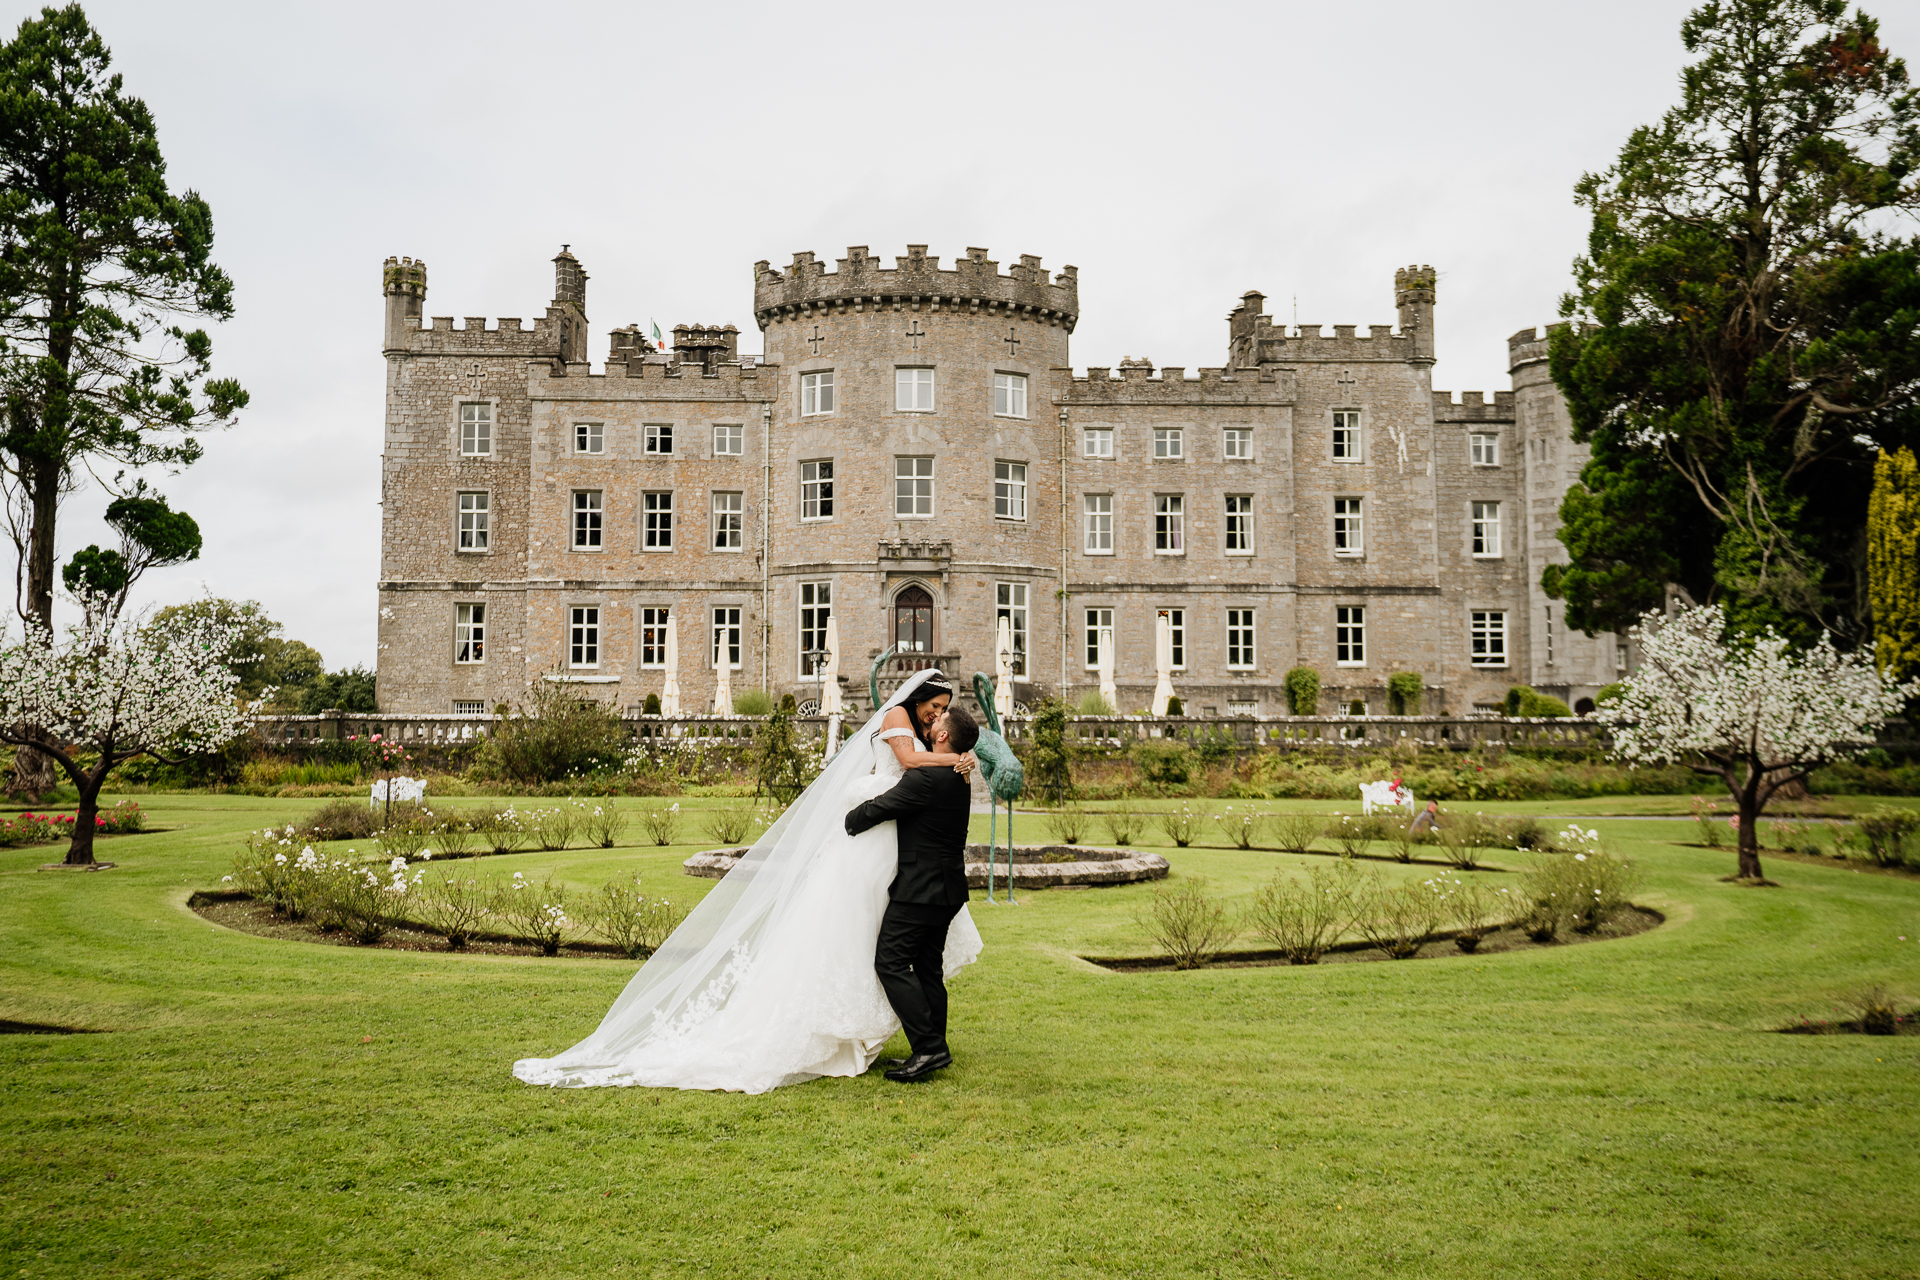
<point x="1696" y="694"/>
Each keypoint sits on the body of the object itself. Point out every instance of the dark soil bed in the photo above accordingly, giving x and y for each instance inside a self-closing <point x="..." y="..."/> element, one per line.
<point x="247" y="915"/>
<point x="1500" y="942"/>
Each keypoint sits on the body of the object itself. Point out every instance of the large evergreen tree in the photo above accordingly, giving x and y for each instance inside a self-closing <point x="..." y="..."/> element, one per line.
<point x="98" y="262"/>
<point x="1747" y="328"/>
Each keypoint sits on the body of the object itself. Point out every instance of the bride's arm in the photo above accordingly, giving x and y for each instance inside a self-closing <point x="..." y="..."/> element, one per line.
<point x="909" y="758"/>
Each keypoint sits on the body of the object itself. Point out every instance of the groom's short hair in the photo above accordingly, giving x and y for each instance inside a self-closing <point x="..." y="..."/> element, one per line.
<point x="962" y="730"/>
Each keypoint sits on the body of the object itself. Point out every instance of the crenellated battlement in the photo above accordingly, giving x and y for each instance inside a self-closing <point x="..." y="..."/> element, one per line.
<point x="1254" y="339"/>
<point x="1135" y="382"/>
<point x="1472" y="407"/>
<point x="916" y="281"/>
<point x="1529" y="346"/>
<point x="477" y="335"/>
<point x="692" y="380"/>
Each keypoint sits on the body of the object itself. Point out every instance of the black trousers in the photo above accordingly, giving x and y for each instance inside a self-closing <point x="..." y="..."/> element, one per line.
<point x="913" y="938"/>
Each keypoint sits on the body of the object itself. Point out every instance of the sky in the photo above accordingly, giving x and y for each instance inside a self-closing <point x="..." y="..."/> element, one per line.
<point x="1178" y="155"/>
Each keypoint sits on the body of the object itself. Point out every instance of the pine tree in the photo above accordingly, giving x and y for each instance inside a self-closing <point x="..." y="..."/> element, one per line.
<point x="1893" y="563"/>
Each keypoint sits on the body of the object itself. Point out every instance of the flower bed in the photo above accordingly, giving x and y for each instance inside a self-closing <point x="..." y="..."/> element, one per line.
<point x="125" y="818"/>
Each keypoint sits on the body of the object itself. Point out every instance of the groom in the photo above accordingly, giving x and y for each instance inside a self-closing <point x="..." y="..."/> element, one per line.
<point x="932" y="805"/>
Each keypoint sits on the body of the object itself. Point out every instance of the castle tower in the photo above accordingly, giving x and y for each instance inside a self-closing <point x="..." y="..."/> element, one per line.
<point x="1413" y="294"/>
<point x="928" y="397"/>
<point x="568" y="311"/>
<point x="1564" y="662"/>
<point x="404" y="282"/>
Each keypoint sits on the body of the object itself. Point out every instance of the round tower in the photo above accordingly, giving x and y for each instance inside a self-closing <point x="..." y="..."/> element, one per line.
<point x="916" y="453"/>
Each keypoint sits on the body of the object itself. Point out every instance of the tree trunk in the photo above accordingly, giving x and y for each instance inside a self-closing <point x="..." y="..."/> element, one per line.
<point x="40" y="546"/>
<point x="85" y="822"/>
<point x="1749" y="799"/>
<point x="34" y="772"/>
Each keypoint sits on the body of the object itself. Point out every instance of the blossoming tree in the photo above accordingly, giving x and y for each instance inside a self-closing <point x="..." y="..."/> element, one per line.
<point x="115" y="691"/>
<point x="1753" y="711"/>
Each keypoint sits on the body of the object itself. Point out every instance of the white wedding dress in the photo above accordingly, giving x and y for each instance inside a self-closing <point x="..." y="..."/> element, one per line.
<point x="770" y="980"/>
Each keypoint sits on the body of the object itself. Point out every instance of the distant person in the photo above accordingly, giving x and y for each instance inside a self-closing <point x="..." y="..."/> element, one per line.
<point x="1428" y="819"/>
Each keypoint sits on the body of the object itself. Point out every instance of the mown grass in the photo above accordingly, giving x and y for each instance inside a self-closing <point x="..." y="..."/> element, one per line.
<point x="267" y="1108"/>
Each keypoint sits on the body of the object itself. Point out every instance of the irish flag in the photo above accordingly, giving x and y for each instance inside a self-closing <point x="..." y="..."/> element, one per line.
<point x="658" y="341"/>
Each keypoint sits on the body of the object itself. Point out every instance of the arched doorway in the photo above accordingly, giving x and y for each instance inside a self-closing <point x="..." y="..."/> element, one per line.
<point x="1584" y="707"/>
<point x="913" y="620"/>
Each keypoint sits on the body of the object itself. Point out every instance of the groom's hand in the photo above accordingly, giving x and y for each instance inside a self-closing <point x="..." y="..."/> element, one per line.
<point x="967" y="764"/>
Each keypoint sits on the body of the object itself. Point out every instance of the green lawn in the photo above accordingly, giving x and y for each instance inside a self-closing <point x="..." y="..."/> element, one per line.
<point x="1613" y="1109"/>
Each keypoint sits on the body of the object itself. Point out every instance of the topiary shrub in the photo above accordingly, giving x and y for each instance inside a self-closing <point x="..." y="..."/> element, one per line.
<point x="1049" y="773"/>
<point x="651" y="707"/>
<point x="1523" y="701"/>
<point x="1175" y="707"/>
<point x="1303" y="691"/>
<point x="1162" y="763"/>
<point x="753" y="702"/>
<point x="1406" y="692"/>
<point x="1610" y="693"/>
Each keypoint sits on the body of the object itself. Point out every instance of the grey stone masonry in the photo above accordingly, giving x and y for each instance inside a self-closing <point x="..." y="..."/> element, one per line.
<point x="916" y="455"/>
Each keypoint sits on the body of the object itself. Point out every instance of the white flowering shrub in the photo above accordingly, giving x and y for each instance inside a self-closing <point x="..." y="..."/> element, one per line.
<point x="454" y="906"/>
<point x="1398" y="917"/>
<point x="633" y="920"/>
<point x="1752" y="711"/>
<point x="1474" y="908"/>
<point x="661" y="823"/>
<point x="1302" y="917"/>
<point x="1242" y="828"/>
<point x="1296" y="832"/>
<point x="114" y="691"/>
<point x="729" y="825"/>
<point x="553" y="828"/>
<point x="604" y="825"/>
<point x="537" y="911"/>
<point x="1179" y="824"/>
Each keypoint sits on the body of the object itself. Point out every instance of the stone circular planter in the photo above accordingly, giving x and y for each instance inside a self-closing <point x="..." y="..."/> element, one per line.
<point x="1034" y="866"/>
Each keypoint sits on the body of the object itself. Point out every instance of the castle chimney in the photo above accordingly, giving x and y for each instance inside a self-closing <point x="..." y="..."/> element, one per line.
<point x="1413" y="295"/>
<point x="568" y="311"/>
<point x="706" y="345"/>
<point x="569" y="280"/>
<point x="404" y="282"/>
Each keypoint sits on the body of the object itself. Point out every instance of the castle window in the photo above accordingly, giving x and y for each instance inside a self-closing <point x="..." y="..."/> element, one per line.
<point x="816" y="393"/>
<point x="1349" y="528"/>
<point x="1169" y="524"/>
<point x="583" y="636"/>
<point x="1010" y="490"/>
<point x="1549" y="609"/>
<point x="913" y="390"/>
<point x="1169" y="442"/>
<point x="1620" y="659"/>
<point x="1096" y="442"/>
<point x="726" y="636"/>
<point x="659" y="439"/>
<point x="1237" y="443"/>
<point x="913" y="620"/>
<point x="1486" y="530"/>
<point x="653" y="637"/>
<point x="588" y="516"/>
<point x="729" y="521"/>
<point x="1350" y="635"/>
<point x="1010" y="602"/>
<point x="1240" y="638"/>
<point x="1239" y="524"/>
<point x="656" y="532"/>
<point x="816" y="490"/>
<point x="729" y="439"/>
<point x="1488" y="636"/>
<point x="913" y="486"/>
<point x="476" y="522"/>
<point x="1010" y="395"/>
<point x="816" y="607"/>
<point x="1483" y="448"/>
<point x="1177" y="627"/>
<point x="469" y="633"/>
<point x="1099" y="510"/>
<point x="1346" y="435"/>
<point x="469" y="707"/>
<point x="1099" y="622"/>
<point x="476" y="430"/>
<point x="589" y="437"/>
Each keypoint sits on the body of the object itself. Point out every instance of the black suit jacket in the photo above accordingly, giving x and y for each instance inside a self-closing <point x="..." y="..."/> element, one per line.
<point x="932" y="805"/>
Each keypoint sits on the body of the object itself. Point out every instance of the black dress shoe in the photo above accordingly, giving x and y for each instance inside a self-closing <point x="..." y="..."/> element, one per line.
<point x="920" y="1066"/>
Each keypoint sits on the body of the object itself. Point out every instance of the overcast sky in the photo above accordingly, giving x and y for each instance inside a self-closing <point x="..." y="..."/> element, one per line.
<point x="1179" y="155"/>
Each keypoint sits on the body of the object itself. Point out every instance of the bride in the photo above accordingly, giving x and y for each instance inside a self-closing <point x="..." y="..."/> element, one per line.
<point x="770" y="981"/>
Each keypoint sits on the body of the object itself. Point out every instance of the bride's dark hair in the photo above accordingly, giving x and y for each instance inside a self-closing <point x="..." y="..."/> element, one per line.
<point x="926" y="691"/>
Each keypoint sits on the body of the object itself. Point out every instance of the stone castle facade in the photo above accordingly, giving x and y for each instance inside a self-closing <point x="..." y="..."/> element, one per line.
<point x="915" y="455"/>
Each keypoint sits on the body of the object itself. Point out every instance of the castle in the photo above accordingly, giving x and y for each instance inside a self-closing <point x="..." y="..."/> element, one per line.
<point x="915" y="457"/>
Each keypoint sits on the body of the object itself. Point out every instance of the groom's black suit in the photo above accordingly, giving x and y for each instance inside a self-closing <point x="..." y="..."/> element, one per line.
<point x="932" y="805"/>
